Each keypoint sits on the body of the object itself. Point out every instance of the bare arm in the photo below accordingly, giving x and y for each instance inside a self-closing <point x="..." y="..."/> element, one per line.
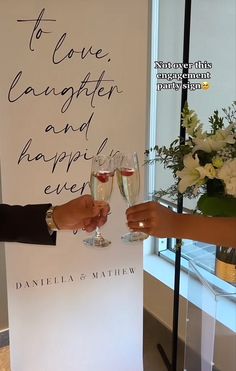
<point x="160" y="221"/>
<point x="213" y="230"/>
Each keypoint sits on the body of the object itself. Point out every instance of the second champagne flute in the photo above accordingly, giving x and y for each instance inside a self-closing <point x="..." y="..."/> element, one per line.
<point x="128" y="178"/>
<point x="101" y="183"/>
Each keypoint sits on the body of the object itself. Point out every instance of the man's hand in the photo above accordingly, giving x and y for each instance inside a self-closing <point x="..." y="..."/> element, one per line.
<point x="82" y="212"/>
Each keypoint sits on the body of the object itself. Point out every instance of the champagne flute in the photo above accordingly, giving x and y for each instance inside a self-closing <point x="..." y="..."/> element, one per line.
<point x="101" y="183"/>
<point x="128" y="178"/>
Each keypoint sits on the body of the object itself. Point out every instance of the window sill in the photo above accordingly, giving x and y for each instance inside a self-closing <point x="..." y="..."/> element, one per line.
<point x="163" y="271"/>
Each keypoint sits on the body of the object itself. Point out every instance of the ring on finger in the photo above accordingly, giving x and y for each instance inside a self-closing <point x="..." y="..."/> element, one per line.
<point x="141" y="224"/>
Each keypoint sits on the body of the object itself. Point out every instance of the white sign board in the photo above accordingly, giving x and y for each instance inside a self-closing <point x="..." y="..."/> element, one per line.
<point x="73" y="84"/>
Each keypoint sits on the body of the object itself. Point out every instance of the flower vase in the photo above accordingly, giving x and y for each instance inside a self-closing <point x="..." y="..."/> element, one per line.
<point x="225" y="266"/>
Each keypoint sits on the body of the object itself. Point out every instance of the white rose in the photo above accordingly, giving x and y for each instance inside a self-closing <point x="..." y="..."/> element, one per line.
<point x="231" y="187"/>
<point x="227" y="173"/>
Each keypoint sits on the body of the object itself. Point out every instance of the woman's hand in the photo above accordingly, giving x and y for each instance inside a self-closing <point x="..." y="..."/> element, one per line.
<point x="151" y="218"/>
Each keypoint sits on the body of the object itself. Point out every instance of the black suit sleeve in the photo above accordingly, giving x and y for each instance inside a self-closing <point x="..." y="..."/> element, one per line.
<point x="25" y="224"/>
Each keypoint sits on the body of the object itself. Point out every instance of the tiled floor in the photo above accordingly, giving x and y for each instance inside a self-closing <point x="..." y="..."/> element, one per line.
<point x="154" y="333"/>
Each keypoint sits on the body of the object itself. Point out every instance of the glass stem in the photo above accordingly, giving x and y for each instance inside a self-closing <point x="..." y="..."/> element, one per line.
<point x="98" y="233"/>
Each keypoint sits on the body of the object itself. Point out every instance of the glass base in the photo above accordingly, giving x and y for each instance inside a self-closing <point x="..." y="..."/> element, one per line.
<point x="134" y="236"/>
<point x="96" y="242"/>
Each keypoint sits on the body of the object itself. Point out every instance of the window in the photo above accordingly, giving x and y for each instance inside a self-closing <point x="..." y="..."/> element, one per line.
<point x="166" y="45"/>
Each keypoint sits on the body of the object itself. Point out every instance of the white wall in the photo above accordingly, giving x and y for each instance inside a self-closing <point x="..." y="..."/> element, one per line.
<point x="213" y="30"/>
<point x="170" y="30"/>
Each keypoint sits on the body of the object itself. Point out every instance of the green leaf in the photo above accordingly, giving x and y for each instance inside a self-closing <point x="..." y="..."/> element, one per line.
<point x="217" y="206"/>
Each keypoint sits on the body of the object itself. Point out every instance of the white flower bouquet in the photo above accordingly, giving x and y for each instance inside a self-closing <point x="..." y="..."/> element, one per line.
<point x="205" y="164"/>
<point x="204" y="167"/>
